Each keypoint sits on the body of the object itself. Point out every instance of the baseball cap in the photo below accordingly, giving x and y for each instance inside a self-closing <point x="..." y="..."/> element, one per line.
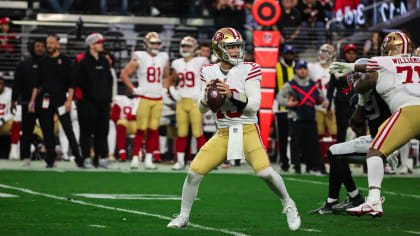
<point x="349" y="47"/>
<point x="301" y="63"/>
<point x="94" y="38"/>
<point x="4" y="20"/>
<point x="288" y="48"/>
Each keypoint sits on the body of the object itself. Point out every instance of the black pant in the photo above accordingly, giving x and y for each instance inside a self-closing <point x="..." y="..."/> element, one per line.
<point x="339" y="173"/>
<point x="305" y="145"/>
<point x="65" y="121"/>
<point x="283" y="133"/>
<point x="343" y="112"/>
<point x="46" y="121"/>
<point x="28" y="124"/>
<point x="94" y="120"/>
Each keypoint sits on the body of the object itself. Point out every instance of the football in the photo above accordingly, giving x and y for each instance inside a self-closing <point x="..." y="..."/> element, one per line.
<point x="215" y="100"/>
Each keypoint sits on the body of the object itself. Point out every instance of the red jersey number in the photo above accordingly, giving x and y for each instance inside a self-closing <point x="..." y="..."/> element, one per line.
<point x="409" y="75"/>
<point x="153" y="74"/>
<point x="186" y="79"/>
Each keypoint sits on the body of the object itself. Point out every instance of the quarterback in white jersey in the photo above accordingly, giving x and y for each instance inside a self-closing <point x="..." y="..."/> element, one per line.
<point x="152" y="69"/>
<point x="319" y="73"/>
<point x="186" y="77"/>
<point x="7" y="124"/>
<point x="396" y="77"/>
<point x="238" y="131"/>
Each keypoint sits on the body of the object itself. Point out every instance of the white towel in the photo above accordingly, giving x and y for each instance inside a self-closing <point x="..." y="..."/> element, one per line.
<point x="235" y="143"/>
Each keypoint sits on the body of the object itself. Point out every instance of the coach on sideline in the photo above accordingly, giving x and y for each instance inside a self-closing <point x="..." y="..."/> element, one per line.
<point x="53" y="81"/>
<point x="93" y="77"/>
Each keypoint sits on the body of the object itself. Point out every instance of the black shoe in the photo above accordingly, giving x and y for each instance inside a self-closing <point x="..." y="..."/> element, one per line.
<point x="50" y="166"/>
<point x="341" y="207"/>
<point x="324" y="209"/>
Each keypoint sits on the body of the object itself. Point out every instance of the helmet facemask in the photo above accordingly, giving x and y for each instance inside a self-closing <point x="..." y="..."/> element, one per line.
<point x="152" y="50"/>
<point x="225" y="55"/>
<point x="329" y="55"/>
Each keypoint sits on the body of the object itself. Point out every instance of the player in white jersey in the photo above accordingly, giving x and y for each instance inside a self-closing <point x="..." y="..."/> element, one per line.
<point x="237" y="123"/>
<point x="319" y="73"/>
<point x="7" y="123"/>
<point x="395" y="76"/>
<point x="186" y="78"/>
<point x="152" y="70"/>
<point x="123" y="114"/>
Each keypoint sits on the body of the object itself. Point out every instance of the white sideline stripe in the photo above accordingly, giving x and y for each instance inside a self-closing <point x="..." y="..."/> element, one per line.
<point x="412" y="232"/>
<point x="361" y="188"/>
<point x="98" y="226"/>
<point x="119" y="209"/>
<point x="7" y="195"/>
<point x="130" y="196"/>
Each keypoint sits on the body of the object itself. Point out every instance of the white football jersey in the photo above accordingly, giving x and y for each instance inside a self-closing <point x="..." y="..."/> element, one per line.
<point x="189" y="84"/>
<point x="5" y="103"/>
<point x="236" y="79"/>
<point x="398" y="80"/>
<point x="150" y="72"/>
<point x="321" y="76"/>
<point x="128" y="106"/>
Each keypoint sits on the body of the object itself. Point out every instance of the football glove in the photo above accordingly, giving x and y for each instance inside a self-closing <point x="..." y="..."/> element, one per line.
<point x="340" y="69"/>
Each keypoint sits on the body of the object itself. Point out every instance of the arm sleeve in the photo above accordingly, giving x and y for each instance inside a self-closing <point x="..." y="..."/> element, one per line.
<point x="253" y="93"/>
<point x="373" y="65"/>
<point x="330" y="92"/>
<point x="17" y="83"/>
<point x="283" y="95"/>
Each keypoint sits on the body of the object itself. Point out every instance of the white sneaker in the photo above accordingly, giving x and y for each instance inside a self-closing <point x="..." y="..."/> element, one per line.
<point x="148" y="162"/>
<point x="178" y="166"/>
<point x="178" y="222"/>
<point x="370" y="207"/>
<point x="106" y="164"/>
<point x="88" y="163"/>
<point x="14" y="152"/>
<point x="292" y="214"/>
<point x="134" y="162"/>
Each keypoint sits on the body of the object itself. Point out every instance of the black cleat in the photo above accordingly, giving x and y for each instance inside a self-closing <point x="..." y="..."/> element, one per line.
<point x="341" y="207"/>
<point x="324" y="209"/>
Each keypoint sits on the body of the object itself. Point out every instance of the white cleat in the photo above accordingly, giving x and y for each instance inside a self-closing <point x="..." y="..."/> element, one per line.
<point x="14" y="152"/>
<point x="134" y="162"/>
<point x="178" y="222"/>
<point x="178" y="166"/>
<point x="88" y="163"/>
<point x="148" y="162"/>
<point x="370" y="207"/>
<point x="292" y="214"/>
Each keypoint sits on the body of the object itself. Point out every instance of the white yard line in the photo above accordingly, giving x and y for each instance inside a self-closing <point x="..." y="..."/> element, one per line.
<point x="7" y="195"/>
<point x="119" y="209"/>
<point x="412" y="232"/>
<point x="98" y="226"/>
<point x="312" y="230"/>
<point x="361" y="188"/>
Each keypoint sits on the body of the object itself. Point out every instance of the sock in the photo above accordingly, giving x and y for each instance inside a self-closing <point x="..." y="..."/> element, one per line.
<point x="15" y="133"/>
<point x="181" y="157"/>
<point x="275" y="183"/>
<point x="180" y="146"/>
<point x="150" y="142"/>
<point x="200" y="142"/>
<point x="189" y="192"/>
<point x="163" y="144"/>
<point x="156" y="151"/>
<point x="331" y="200"/>
<point x="375" y="167"/>
<point x="404" y="153"/>
<point x="138" y="142"/>
<point x="121" y="137"/>
<point x="354" y="193"/>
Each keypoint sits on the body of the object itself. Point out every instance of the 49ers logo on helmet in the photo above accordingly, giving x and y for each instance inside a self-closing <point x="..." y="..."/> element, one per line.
<point x="218" y="36"/>
<point x="387" y="40"/>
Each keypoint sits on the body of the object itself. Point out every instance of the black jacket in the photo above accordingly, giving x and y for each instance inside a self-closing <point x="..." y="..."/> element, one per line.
<point x="343" y="90"/>
<point x="94" y="78"/>
<point x="24" y="82"/>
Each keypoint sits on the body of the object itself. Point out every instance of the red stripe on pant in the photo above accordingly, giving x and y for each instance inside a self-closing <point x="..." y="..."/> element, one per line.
<point x="15" y="136"/>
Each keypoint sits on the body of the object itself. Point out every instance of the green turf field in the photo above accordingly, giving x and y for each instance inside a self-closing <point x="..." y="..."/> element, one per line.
<point x="228" y="204"/>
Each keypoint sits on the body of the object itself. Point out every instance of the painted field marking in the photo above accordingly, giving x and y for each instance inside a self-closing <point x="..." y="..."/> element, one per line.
<point x="120" y="209"/>
<point x="7" y="195"/>
<point x="130" y="196"/>
<point x="312" y="230"/>
<point x="98" y="226"/>
<point x="412" y="232"/>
